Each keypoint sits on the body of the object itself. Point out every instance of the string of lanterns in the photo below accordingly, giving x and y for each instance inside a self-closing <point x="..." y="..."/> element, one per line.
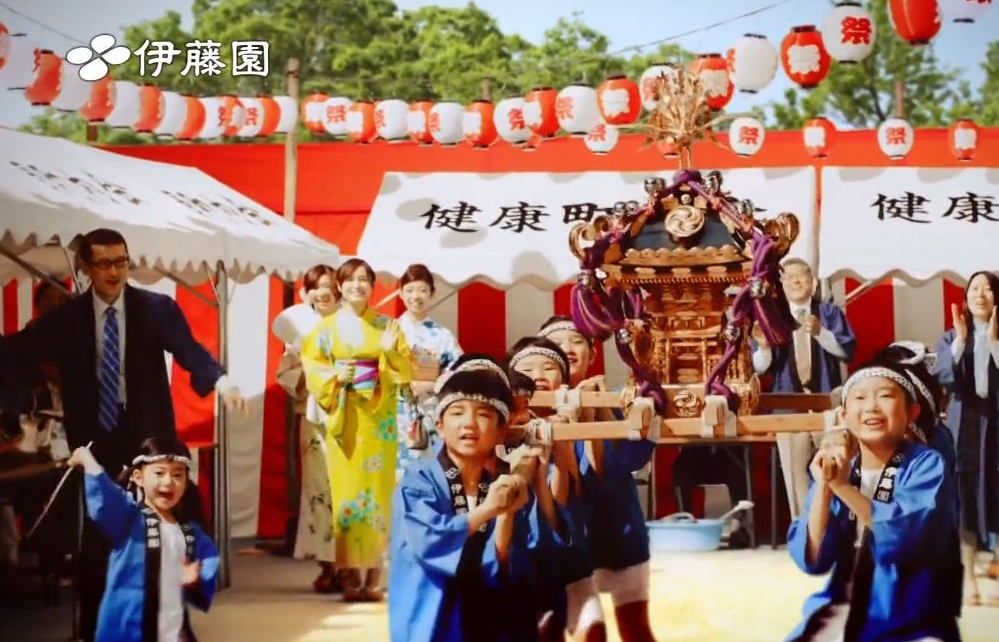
<point x="596" y="115"/>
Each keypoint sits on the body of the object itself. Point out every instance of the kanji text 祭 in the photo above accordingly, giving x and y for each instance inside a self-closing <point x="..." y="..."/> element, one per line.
<point x="205" y="58"/>
<point x="969" y="207"/>
<point x="522" y="217"/>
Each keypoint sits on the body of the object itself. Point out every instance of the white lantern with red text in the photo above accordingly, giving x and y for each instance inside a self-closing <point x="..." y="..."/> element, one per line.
<point x="619" y="101"/>
<point x="390" y="119"/>
<point x="818" y="136"/>
<point x="745" y="136"/>
<point x="963" y="135"/>
<point x="253" y="117"/>
<point x="73" y="90"/>
<point x="288" y="119"/>
<point x="848" y="32"/>
<point x="332" y="114"/>
<point x="19" y="67"/>
<point x="214" y="123"/>
<point x="895" y="136"/>
<point x="576" y="109"/>
<point x="127" y="104"/>
<point x="650" y="77"/>
<point x="602" y="139"/>
<point x="174" y="114"/>
<point x="447" y="123"/>
<point x="754" y="63"/>
<point x="509" y="120"/>
<point x="964" y="10"/>
<point x="418" y="122"/>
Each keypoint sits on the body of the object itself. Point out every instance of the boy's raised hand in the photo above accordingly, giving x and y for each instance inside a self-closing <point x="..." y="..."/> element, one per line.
<point x="190" y="573"/>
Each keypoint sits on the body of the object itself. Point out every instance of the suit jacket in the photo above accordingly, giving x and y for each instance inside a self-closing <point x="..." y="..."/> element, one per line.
<point x="154" y="323"/>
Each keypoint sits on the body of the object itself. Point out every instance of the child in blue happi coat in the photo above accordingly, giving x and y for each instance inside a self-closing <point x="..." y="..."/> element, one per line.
<point x="161" y="559"/>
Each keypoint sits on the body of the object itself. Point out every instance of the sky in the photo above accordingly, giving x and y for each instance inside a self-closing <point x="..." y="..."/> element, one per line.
<point x="629" y="24"/>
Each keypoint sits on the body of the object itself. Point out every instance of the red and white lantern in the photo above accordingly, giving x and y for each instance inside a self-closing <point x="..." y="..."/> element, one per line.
<point x="268" y="117"/>
<point x="619" y="101"/>
<point x="963" y="136"/>
<point x="313" y="112"/>
<point x="361" y="122"/>
<point x="745" y="136"/>
<point x="650" y="78"/>
<point x="233" y="115"/>
<point x="818" y="134"/>
<point x="915" y="21"/>
<point x="126" y="105"/>
<point x="895" y="137"/>
<point x="100" y="102"/>
<point x="754" y="63"/>
<point x="803" y="56"/>
<point x="174" y="109"/>
<point x="288" y="117"/>
<point x="539" y="111"/>
<point x="477" y="124"/>
<point x="214" y="118"/>
<point x="576" y="109"/>
<point x="44" y="88"/>
<point x="333" y="116"/>
<point x="602" y="139"/>
<point x="848" y="32"/>
<point x="19" y="67"/>
<point x="4" y="44"/>
<point x="712" y="69"/>
<point x="194" y="120"/>
<point x="962" y="10"/>
<point x="150" y="109"/>
<point x="253" y="117"/>
<point x="390" y="119"/>
<point x="446" y="123"/>
<point x="509" y="120"/>
<point x="418" y="122"/>
<point x="73" y="90"/>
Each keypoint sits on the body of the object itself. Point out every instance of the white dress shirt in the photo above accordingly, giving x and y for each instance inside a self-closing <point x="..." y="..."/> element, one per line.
<point x="763" y="356"/>
<point x="982" y="351"/>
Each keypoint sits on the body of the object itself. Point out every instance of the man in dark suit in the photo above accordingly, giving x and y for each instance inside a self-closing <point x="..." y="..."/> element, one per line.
<point x="108" y="345"/>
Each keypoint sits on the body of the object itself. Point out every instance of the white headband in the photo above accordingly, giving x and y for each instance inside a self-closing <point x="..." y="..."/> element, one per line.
<point x="471" y="364"/>
<point x="155" y="459"/>
<point x="454" y="397"/>
<point x="558" y="326"/>
<point x="531" y="351"/>
<point x="917" y="349"/>
<point x="877" y="371"/>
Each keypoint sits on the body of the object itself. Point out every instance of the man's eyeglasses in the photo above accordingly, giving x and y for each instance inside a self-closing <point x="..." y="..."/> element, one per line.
<point x="119" y="263"/>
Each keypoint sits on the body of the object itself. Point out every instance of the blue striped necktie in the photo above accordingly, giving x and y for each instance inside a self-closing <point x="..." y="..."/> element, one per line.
<point x="109" y="373"/>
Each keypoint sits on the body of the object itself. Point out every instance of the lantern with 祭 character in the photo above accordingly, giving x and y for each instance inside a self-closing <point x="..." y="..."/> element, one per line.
<point x="619" y="101"/>
<point x="915" y="21"/>
<point x="576" y="109"/>
<point x="848" y="32"/>
<point x="818" y="136"/>
<point x="602" y="139"/>
<point x="895" y="137"/>
<point x="214" y="123"/>
<point x="509" y="120"/>
<point x="232" y="114"/>
<point x="745" y="136"/>
<point x="332" y="115"/>
<point x="963" y="137"/>
<point x="804" y="57"/>
<point x="447" y="123"/>
<point x="649" y="81"/>
<point x="390" y="119"/>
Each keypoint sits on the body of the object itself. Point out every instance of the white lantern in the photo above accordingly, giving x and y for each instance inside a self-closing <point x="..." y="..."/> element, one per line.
<point x="895" y="136"/>
<point x="332" y="113"/>
<point x="602" y="139"/>
<point x="964" y="10"/>
<point x="126" y="104"/>
<point x="253" y="117"/>
<point x="73" y="90"/>
<point x="19" y="69"/>
<point x="214" y="125"/>
<point x="509" y="120"/>
<point x="577" y="110"/>
<point x="648" y="80"/>
<point x="746" y="135"/>
<point x="174" y="110"/>
<point x="289" y="114"/>
<point x="447" y="123"/>
<point x="754" y="63"/>
<point x="390" y="119"/>
<point x="848" y="32"/>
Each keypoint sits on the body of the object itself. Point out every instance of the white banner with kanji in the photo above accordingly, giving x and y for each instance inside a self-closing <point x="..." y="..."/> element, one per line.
<point x="506" y="228"/>
<point x="908" y="222"/>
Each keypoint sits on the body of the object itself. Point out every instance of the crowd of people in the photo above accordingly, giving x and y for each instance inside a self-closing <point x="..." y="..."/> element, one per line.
<point x="408" y="465"/>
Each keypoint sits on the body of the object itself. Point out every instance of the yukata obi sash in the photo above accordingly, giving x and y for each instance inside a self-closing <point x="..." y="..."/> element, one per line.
<point x="365" y="378"/>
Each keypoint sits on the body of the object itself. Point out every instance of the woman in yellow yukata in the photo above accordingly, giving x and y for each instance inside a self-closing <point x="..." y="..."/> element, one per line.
<point x="354" y="363"/>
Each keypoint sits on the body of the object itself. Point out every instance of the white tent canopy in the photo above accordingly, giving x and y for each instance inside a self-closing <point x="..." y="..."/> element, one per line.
<point x="175" y="219"/>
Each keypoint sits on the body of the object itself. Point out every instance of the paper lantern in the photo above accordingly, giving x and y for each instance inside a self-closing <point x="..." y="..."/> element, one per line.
<point x="619" y="101"/>
<point x="235" y="115"/>
<point x="313" y="112"/>
<point x="73" y="90"/>
<point x="44" y="87"/>
<point x="150" y="109"/>
<point x="804" y="57"/>
<point x="848" y="32"/>
<point x="174" y="114"/>
<point x="539" y="111"/>
<point x="602" y="139"/>
<point x="288" y="118"/>
<point x="446" y="123"/>
<point x="126" y="104"/>
<point x="713" y="72"/>
<point x="214" y="118"/>
<point x="650" y="78"/>
<point x="332" y="114"/>
<point x="270" y="116"/>
<point x="19" y="67"/>
<point x="576" y="109"/>
<point x="361" y="122"/>
<point x="418" y="122"/>
<point x="194" y="118"/>
<point x="509" y="120"/>
<point x="4" y="44"/>
<point x="100" y="102"/>
<point x="755" y="62"/>
<point x="390" y="119"/>
<point x="745" y="136"/>
<point x="963" y="136"/>
<point x="895" y="137"/>
<point x="253" y="117"/>
<point x="964" y="10"/>
<point x="915" y="21"/>
<point x="818" y="134"/>
<point x="477" y="124"/>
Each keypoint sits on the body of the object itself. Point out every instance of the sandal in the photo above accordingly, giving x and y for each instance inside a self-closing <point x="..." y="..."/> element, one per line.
<point x="328" y="582"/>
<point x="372" y="595"/>
<point x="350" y="581"/>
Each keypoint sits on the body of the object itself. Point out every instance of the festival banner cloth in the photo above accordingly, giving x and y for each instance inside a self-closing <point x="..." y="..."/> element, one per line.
<point x="505" y="228"/>
<point x="907" y="222"/>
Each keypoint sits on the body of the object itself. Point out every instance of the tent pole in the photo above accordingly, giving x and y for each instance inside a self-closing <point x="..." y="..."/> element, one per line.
<point x="31" y="269"/>
<point x="220" y="477"/>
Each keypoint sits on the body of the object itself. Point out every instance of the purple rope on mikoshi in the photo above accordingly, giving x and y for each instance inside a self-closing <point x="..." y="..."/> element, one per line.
<point x="590" y="313"/>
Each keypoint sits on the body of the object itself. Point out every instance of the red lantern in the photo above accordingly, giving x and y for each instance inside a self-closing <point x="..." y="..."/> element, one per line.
<point x="715" y="78"/>
<point x="232" y="115"/>
<point x="418" y="122"/>
<point x="539" y="111"/>
<point x="361" y="122"/>
<point x="45" y="86"/>
<point x="478" y="125"/>
<point x="101" y="102"/>
<point x="313" y="112"/>
<point x="150" y="109"/>
<point x="271" y="116"/>
<point x="4" y="43"/>
<point x="619" y="101"/>
<point x="915" y="21"/>
<point x="194" y="122"/>
<point x="804" y="57"/>
<point x="963" y="136"/>
<point x="818" y="134"/>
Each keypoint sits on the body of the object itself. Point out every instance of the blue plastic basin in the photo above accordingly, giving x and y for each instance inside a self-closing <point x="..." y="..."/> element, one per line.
<point x="683" y="532"/>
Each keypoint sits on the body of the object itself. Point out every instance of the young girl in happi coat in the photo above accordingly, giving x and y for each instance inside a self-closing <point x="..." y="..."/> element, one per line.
<point x="883" y="521"/>
<point x="968" y="367"/>
<point x="161" y="559"/>
<point x="617" y="537"/>
<point x="465" y="532"/>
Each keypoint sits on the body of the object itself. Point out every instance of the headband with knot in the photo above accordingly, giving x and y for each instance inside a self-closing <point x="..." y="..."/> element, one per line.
<point x="903" y="381"/>
<point x="531" y="351"/>
<point x="471" y="364"/>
